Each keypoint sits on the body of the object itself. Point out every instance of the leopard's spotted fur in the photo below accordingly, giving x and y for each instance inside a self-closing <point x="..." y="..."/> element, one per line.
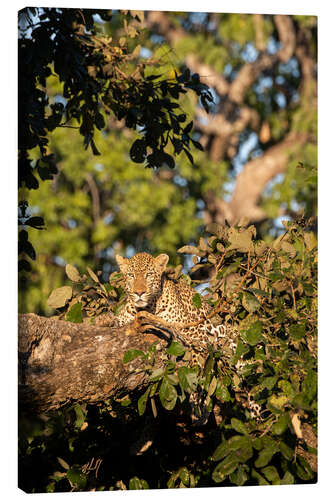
<point x="149" y="289"/>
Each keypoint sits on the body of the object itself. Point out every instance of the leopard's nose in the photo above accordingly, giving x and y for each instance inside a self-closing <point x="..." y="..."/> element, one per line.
<point x="140" y="293"/>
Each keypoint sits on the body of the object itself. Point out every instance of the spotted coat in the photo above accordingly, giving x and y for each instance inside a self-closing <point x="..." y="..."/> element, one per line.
<point x="149" y="289"/>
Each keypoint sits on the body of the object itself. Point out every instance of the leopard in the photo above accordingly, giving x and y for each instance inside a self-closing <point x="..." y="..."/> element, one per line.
<point x="149" y="288"/>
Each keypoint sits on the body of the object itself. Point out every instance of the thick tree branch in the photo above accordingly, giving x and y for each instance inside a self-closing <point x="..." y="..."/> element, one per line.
<point x="251" y="182"/>
<point x="256" y="174"/>
<point x="62" y="362"/>
<point x="250" y="72"/>
<point x="287" y="36"/>
<point x="259" y="32"/>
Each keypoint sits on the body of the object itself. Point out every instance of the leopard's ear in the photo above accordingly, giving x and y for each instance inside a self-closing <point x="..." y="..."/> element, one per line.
<point x="122" y="263"/>
<point x="161" y="261"/>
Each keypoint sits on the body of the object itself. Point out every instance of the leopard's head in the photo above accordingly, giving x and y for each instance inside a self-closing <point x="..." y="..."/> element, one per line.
<point x="143" y="277"/>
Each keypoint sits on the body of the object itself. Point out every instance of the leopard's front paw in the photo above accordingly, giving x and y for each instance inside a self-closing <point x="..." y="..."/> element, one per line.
<point x="107" y="319"/>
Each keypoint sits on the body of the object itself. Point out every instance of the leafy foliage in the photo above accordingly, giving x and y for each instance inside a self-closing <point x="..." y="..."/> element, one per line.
<point x="261" y="396"/>
<point x="96" y="74"/>
<point x="92" y="69"/>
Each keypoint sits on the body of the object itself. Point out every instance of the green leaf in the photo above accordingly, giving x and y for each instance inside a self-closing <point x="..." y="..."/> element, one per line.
<point x="221" y="451"/>
<point x="278" y="401"/>
<point x="75" y="313"/>
<point x="76" y="478"/>
<point x="212" y="387"/>
<point x="175" y="349"/>
<point x="94" y="148"/>
<point x="303" y="469"/>
<point x="59" y="297"/>
<point x="261" y="480"/>
<point x="24" y="246"/>
<point x="240" y="444"/>
<point x="188" y="154"/>
<point x="132" y="354"/>
<point x="138" y="484"/>
<point x="287" y="388"/>
<point x="227" y="466"/>
<point x="288" y="478"/>
<point x="258" y="443"/>
<point x="142" y="402"/>
<point x="269" y="382"/>
<point x="222" y="392"/>
<point x="50" y="487"/>
<point x="301" y="401"/>
<point x="240" y="350"/>
<point x="157" y="374"/>
<point x="184" y="476"/>
<point x="99" y="121"/>
<point x="281" y="425"/>
<point x="253" y="334"/>
<point x="286" y="451"/>
<point x="172" y="378"/>
<point x="238" y="426"/>
<point x="257" y="291"/>
<point x="244" y="453"/>
<point x="188" y="378"/>
<point x="297" y="331"/>
<point x="168" y="395"/>
<point x="240" y="476"/>
<point x="265" y="456"/>
<point x="250" y="302"/>
<point x="309" y="385"/>
<point x="196" y="300"/>
<point x="126" y="402"/>
<point x="271" y="474"/>
<point x="80" y="416"/>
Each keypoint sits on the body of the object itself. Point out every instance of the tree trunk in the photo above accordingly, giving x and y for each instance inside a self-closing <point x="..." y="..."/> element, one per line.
<point x="62" y="362"/>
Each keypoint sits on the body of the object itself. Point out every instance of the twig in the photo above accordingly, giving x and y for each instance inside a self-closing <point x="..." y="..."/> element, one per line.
<point x="293" y="294"/>
<point x="268" y="427"/>
<point x="67" y="126"/>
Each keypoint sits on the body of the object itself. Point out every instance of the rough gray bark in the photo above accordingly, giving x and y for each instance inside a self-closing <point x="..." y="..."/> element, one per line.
<point x="62" y="362"/>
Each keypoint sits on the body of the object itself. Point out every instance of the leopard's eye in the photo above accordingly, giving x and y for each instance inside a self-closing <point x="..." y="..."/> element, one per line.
<point x="149" y="274"/>
<point x="130" y="275"/>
